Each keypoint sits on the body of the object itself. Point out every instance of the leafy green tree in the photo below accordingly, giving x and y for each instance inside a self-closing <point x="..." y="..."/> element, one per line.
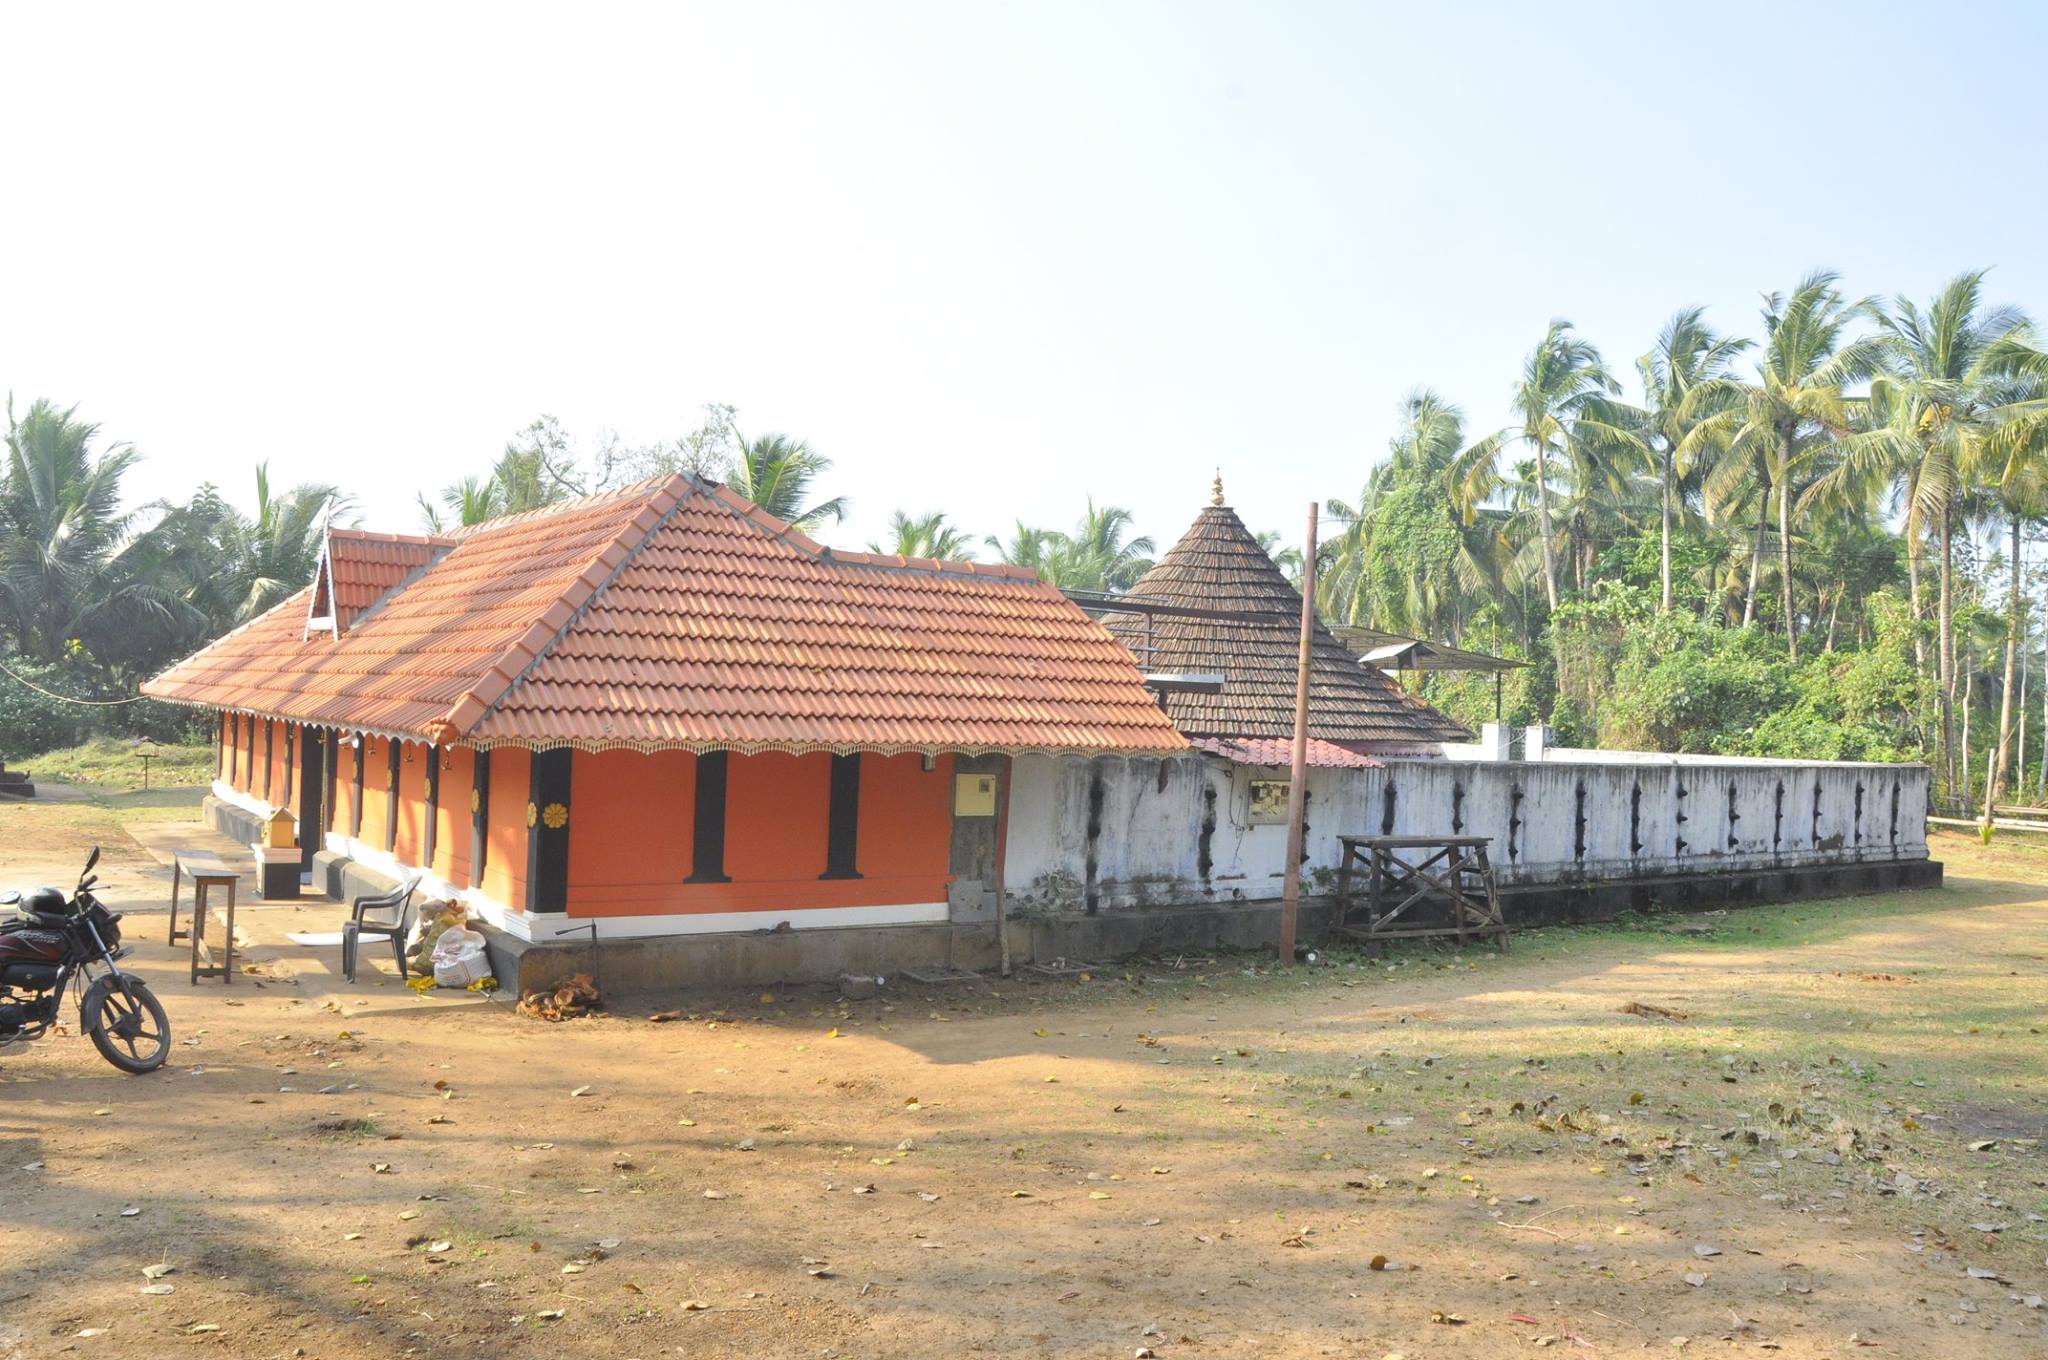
<point x="1417" y="552"/>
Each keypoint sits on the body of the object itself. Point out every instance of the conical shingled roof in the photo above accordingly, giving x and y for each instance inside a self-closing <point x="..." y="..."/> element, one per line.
<point x="1218" y="565"/>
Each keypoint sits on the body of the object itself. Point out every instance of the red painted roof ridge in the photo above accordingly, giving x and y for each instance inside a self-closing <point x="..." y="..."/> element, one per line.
<point x="377" y="536"/>
<point x="999" y="570"/>
<point x="568" y="507"/>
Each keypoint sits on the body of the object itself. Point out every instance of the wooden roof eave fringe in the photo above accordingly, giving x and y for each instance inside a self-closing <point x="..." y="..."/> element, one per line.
<point x="750" y="748"/>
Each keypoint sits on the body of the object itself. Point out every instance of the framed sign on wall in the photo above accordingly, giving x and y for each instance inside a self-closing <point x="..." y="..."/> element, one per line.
<point x="1268" y="802"/>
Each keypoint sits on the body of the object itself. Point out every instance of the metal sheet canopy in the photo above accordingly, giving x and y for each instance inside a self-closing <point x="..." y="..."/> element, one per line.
<point x="1395" y="652"/>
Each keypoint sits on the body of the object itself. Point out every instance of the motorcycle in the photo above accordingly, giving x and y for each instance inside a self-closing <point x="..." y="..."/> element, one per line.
<point x="52" y="943"/>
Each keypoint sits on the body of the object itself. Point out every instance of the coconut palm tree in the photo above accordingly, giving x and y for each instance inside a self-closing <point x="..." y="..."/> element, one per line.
<point x="1768" y="429"/>
<point x="470" y="501"/>
<point x="61" y="527"/>
<point x="925" y="536"/>
<point x="776" y="472"/>
<point x="1432" y="484"/>
<point x="277" y="550"/>
<point x="1098" y="555"/>
<point x="2016" y="458"/>
<point x="1029" y="547"/>
<point x="1930" y="409"/>
<point x="1688" y="354"/>
<point x="1101" y="542"/>
<point x="1560" y="378"/>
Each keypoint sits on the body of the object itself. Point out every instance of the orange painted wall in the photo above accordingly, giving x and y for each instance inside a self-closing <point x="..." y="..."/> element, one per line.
<point x="412" y="801"/>
<point x="511" y="782"/>
<point x="775" y="809"/>
<point x="344" y="786"/>
<point x="631" y="818"/>
<point x="906" y="819"/>
<point x="629" y="822"/>
<point x="451" y="823"/>
<point x="224" y="739"/>
<point x="277" y="750"/>
<point x="375" y="773"/>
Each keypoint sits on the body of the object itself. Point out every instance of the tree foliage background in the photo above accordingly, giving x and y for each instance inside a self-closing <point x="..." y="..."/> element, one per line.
<point x="1805" y="542"/>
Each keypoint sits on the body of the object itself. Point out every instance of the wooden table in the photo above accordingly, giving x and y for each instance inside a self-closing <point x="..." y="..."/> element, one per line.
<point x="206" y="870"/>
<point x="1406" y="872"/>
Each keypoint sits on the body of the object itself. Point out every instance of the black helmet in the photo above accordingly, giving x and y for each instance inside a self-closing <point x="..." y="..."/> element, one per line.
<point x="43" y="902"/>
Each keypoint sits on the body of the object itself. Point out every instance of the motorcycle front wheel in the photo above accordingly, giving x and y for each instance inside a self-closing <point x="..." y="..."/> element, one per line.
<point x="127" y="1024"/>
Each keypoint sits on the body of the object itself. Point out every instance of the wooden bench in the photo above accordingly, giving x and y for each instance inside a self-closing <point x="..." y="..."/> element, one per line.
<point x="1406" y="872"/>
<point x="206" y="870"/>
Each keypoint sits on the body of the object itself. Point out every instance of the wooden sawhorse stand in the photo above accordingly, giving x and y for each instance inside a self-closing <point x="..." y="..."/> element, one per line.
<point x="1399" y="875"/>
<point x="206" y="870"/>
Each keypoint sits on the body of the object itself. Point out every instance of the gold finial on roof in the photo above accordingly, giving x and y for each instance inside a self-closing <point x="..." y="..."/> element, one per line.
<point x="1216" y="489"/>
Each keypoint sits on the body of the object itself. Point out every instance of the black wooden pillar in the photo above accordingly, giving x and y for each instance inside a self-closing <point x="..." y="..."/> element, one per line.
<point x="842" y="824"/>
<point x="391" y="795"/>
<point x="249" y="756"/>
<point x="547" y="831"/>
<point x="707" y="829"/>
<point x="291" y="754"/>
<point x="269" y="733"/>
<point x="479" y="817"/>
<point x="355" y="811"/>
<point x="433" y="806"/>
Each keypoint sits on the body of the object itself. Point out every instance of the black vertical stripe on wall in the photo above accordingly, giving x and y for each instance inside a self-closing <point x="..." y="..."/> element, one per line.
<point x="433" y="806"/>
<point x="479" y="817"/>
<point x="391" y="795"/>
<point x="355" y="812"/>
<point x="707" y="831"/>
<point x="842" y="827"/>
<point x="547" y="831"/>
<point x="269" y="731"/>
<point x="249" y="757"/>
<point x="332" y="770"/>
<point x="291" y="760"/>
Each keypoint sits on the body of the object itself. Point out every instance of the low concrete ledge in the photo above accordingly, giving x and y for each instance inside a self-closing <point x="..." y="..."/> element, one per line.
<point x="1565" y="904"/>
<point x="1123" y="934"/>
<point x="769" y="956"/>
<point x="738" y="959"/>
<point x="236" y="823"/>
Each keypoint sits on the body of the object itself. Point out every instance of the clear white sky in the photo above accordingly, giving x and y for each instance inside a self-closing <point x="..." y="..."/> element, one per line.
<point x="988" y="257"/>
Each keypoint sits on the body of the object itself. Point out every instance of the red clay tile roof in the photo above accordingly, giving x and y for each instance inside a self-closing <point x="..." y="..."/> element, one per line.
<point x="362" y="567"/>
<point x="676" y="614"/>
<point x="1218" y="565"/>
<point x="1276" y="751"/>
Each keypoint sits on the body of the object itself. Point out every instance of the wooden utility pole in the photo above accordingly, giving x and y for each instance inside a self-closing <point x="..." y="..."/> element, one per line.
<point x="1297" y="788"/>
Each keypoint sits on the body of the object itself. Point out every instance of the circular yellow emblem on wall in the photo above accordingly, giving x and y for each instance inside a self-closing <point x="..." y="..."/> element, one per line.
<point x="476" y="800"/>
<point x="532" y="814"/>
<point x="556" y="816"/>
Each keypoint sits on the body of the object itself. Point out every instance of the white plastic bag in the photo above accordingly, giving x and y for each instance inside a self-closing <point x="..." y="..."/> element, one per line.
<point x="459" y="958"/>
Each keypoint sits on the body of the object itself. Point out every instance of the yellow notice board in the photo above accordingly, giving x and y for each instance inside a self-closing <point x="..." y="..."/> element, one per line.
<point x="974" y="795"/>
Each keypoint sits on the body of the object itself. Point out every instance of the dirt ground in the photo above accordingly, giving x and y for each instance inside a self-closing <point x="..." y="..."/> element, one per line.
<point x="1832" y="1143"/>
